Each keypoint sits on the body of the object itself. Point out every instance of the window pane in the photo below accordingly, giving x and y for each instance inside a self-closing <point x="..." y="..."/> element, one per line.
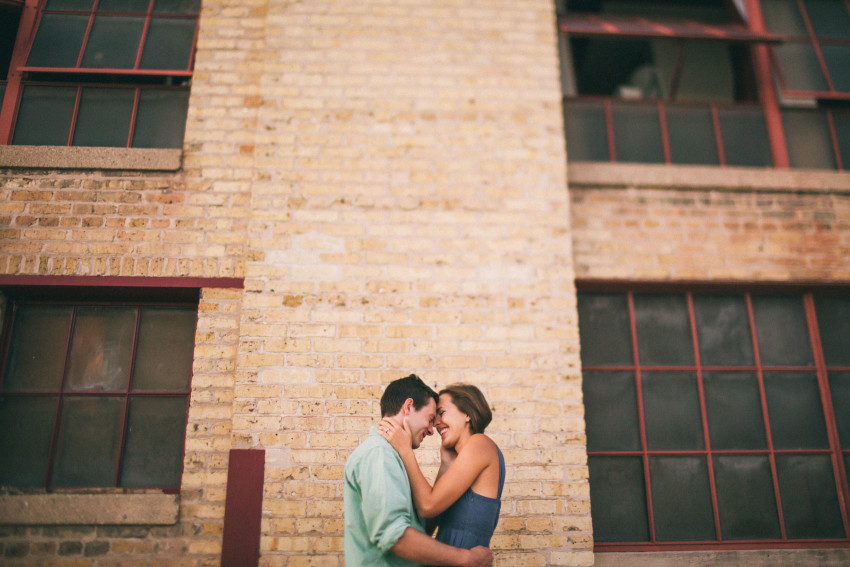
<point x="604" y="327"/>
<point x="123" y="5"/>
<point x="89" y="441"/>
<point x="177" y="6"/>
<point x="839" y="387"/>
<point x="833" y="314"/>
<point x="154" y="452"/>
<point x="168" y="44"/>
<point x="808" y="139"/>
<point x="681" y="500"/>
<point x="619" y="499"/>
<point x="746" y="479"/>
<point x="101" y="348"/>
<point x="58" y="41"/>
<point x="692" y="139"/>
<point x="795" y="411"/>
<point x="69" y="4"/>
<point x="611" y="411"/>
<point x="44" y="117"/>
<point x="27" y="426"/>
<point x="672" y="411"/>
<point x="836" y="58"/>
<point x="161" y="120"/>
<point x="637" y="134"/>
<point x="809" y="499"/>
<point x="841" y="121"/>
<point x="744" y="137"/>
<point x="663" y="330"/>
<point x="733" y="404"/>
<point x="37" y="350"/>
<point x="783" y="335"/>
<point x="613" y="67"/>
<point x="783" y="17"/>
<point x="829" y="18"/>
<point x="723" y="330"/>
<point x="166" y="346"/>
<point x="800" y="67"/>
<point x="113" y="42"/>
<point x="104" y="117"/>
<point x="587" y="134"/>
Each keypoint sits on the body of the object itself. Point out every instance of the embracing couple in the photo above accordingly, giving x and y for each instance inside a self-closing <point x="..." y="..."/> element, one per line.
<point x="387" y="496"/>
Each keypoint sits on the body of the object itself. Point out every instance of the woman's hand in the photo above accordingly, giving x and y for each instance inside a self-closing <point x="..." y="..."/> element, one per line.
<point x="398" y="436"/>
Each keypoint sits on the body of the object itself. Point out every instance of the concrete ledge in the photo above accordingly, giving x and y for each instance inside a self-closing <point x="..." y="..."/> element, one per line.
<point x="750" y="558"/>
<point x="89" y="509"/>
<point x="593" y="174"/>
<point x="73" y="157"/>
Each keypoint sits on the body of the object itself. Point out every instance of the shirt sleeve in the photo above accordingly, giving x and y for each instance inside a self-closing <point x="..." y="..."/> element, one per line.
<point x="386" y="498"/>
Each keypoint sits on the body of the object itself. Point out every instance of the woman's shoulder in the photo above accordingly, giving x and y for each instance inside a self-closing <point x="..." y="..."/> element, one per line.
<point x="483" y="443"/>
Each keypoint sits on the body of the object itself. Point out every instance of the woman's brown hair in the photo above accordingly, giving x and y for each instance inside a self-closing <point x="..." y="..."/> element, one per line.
<point x="470" y="400"/>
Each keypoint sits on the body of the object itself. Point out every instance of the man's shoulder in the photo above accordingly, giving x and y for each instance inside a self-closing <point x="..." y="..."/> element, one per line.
<point x="371" y="448"/>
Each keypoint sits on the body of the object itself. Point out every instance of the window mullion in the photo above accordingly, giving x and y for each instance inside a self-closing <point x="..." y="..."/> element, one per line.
<point x="144" y="37"/>
<point x="815" y="45"/>
<point x="51" y="454"/>
<point x="9" y="104"/>
<point x="74" y="116"/>
<point x="609" y="126"/>
<point x="122" y="446"/>
<point x="86" y="35"/>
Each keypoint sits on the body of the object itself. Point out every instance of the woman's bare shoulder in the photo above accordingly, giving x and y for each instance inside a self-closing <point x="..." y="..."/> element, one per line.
<point x="483" y="443"/>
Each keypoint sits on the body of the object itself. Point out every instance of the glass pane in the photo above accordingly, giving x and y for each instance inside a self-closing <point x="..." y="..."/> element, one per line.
<point x="168" y="44"/>
<point x="841" y="121"/>
<point x="833" y="313"/>
<point x="44" y="117"/>
<point x="637" y="134"/>
<point x="27" y="426"/>
<point x="587" y="134"/>
<point x="691" y="132"/>
<point x="58" y="40"/>
<point x="672" y="411"/>
<point x="89" y="441"/>
<point x="733" y="404"/>
<point x="37" y="350"/>
<point x="809" y="499"/>
<point x="829" y="18"/>
<point x="615" y="67"/>
<point x="123" y="5"/>
<point x="104" y="117"/>
<point x="69" y="4"/>
<point x="161" y="120"/>
<point x="113" y="42"/>
<point x="836" y="58"/>
<point x="177" y="6"/>
<point x="839" y="387"/>
<point x="101" y="348"/>
<point x="782" y="17"/>
<point x="604" y="328"/>
<point x="611" y="411"/>
<point x="723" y="330"/>
<point x="618" y="499"/>
<point x="800" y="67"/>
<point x="663" y="330"/>
<point x="783" y="335"/>
<point x="744" y="136"/>
<point x="795" y="411"/>
<point x="681" y="500"/>
<point x="808" y="139"/>
<point x="154" y="452"/>
<point x="745" y="498"/>
<point x="166" y="347"/>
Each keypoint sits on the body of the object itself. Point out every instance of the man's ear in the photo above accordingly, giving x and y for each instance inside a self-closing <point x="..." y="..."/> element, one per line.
<point x="407" y="406"/>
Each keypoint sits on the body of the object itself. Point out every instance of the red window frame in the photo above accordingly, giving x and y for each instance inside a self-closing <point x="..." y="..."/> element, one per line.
<point x="838" y="454"/>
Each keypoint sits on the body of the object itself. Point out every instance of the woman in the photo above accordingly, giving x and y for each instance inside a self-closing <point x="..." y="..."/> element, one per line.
<point x="465" y="499"/>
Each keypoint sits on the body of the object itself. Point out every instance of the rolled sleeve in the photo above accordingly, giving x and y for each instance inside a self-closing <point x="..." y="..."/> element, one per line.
<point x="386" y="498"/>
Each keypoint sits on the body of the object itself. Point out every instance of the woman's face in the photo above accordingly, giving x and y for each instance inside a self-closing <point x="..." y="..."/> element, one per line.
<point x="451" y="422"/>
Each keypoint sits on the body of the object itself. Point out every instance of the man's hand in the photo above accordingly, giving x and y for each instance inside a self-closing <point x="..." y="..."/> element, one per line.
<point x="479" y="557"/>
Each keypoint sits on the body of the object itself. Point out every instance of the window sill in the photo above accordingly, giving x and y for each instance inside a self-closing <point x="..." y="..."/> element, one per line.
<point x="749" y="558"/>
<point x="75" y="157"/>
<point x="596" y="174"/>
<point x="89" y="509"/>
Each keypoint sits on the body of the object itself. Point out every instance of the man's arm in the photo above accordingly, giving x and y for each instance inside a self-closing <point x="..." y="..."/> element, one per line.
<point x="415" y="546"/>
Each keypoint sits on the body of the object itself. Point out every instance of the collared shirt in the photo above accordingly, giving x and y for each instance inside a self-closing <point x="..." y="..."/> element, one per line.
<point x="378" y="504"/>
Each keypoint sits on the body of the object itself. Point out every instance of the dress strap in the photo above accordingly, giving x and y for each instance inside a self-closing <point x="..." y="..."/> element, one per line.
<point x="501" y="472"/>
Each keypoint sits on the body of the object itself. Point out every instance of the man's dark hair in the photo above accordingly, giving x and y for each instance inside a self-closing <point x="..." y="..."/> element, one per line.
<point x="400" y="390"/>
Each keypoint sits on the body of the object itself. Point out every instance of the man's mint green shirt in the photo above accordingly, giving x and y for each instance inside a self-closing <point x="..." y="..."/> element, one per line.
<point x="378" y="504"/>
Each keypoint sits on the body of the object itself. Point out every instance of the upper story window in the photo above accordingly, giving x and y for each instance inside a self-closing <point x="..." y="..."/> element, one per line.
<point x="662" y="81"/>
<point x="111" y="73"/>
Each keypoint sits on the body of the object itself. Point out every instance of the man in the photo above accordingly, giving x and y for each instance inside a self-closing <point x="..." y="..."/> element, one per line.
<point x="382" y="527"/>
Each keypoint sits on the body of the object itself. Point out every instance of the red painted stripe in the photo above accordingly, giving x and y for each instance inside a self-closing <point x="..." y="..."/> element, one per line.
<point x="243" y="508"/>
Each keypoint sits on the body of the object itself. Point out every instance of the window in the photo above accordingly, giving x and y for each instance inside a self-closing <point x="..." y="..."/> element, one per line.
<point x="677" y="82"/>
<point x="94" y="393"/>
<point x="111" y="73"/>
<point x="717" y="419"/>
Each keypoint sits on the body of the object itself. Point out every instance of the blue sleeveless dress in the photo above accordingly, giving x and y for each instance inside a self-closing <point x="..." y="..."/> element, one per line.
<point x="472" y="519"/>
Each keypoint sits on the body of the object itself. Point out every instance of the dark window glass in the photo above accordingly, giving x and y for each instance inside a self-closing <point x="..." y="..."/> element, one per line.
<point x="830" y="19"/>
<point x="723" y="328"/>
<point x="744" y="135"/>
<point x="663" y="330"/>
<point x="637" y="133"/>
<point x="44" y="117"/>
<point x="58" y="40"/>
<point x="836" y="58"/>
<point x="168" y="44"/>
<point x="795" y="411"/>
<point x="83" y="5"/>
<point x="746" y="479"/>
<point x="783" y="17"/>
<point x="808" y="139"/>
<point x="833" y="313"/>
<point x="624" y="63"/>
<point x="839" y="387"/>
<point x="166" y="345"/>
<point x="809" y="499"/>
<point x="733" y="404"/>
<point x="783" y="336"/>
<point x="161" y="121"/>
<point x="89" y="441"/>
<point x="800" y="67"/>
<point x="10" y="17"/>
<point x="154" y="452"/>
<point x="618" y="488"/>
<point x="113" y="42"/>
<point x="27" y="425"/>
<point x="101" y="348"/>
<point x="103" y="118"/>
<point x="123" y="5"/>
<point x="177" y="6"/>
<point x="587" y="133"/>
<point x="681" y="499"/>
<point x="691" y="132"/>
<point x="604" y="320"/>
<point x="37" y="352"/>
<point x="841" y="121"/>
<point x="672" y="411"/>
<point x="610" y="401"/>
